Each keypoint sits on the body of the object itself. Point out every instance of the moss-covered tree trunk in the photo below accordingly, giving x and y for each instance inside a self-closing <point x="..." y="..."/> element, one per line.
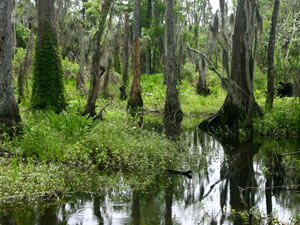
<point x="270" y="57"/>
<point x="123" y="95"/>
<point x="48" y="85"/>
<point x="172" y="111"/>
<point x="135" y="99"/>
<point x="9" y="110"/>
<point x="239" y="104"/>
<point x="96" y="71"/>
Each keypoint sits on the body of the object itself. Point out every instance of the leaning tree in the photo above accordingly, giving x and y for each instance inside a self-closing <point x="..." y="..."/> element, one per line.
<point x="240" y="105"/>
<point x="96" y="69"/>
<point x="48" y="86"/>
<point x="9" y="111"/>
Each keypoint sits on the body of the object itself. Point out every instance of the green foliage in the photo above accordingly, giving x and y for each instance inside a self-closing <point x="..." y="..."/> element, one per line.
<point x="48" y="86"/>
<point x="70" y="68"/>
<point x="283" y="120"/>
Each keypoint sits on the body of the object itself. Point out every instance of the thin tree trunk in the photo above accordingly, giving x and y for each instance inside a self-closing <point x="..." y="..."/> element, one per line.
<point x="172" y="112"/>
<point x="135" y="100"/>
<point x="96" y="71"/>
<point x="201" y="84"/>
<point x="25" y="67"/>
<point x="106" y="79"/>
<point x="270" y="57"/>
<point x="123" y="95"/>
<point x="9" y="110"/>
<point x="116" y="52"/>
<point x="82" y="61"/>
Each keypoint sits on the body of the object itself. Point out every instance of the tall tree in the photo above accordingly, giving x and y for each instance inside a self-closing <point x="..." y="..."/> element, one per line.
<point x="96" y="69"/>
<point x="135" y="100"/>
<point x="9" y="111"/>
<point x="48" y="86"/>
<point x="125" y="58"/>
<point x="270" y="57"/>
<point x="239" y="105"/>
<point x="172" y="112"/>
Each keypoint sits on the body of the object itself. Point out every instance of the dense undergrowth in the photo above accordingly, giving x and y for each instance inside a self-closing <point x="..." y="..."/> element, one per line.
<point x="60" y="153"/>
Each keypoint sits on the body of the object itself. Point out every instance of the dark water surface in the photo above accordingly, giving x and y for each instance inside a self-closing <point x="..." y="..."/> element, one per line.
<point x="226" y="179"/>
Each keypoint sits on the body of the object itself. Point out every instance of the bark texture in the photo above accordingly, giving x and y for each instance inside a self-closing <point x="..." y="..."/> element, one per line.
<point x="172" y="111"/>
<point x="9" y="111"/>
<point x="239" y="104"/>
<point x="96" y="71"/>
<point x="270" y="57"/>
<point x="135" y="100"/>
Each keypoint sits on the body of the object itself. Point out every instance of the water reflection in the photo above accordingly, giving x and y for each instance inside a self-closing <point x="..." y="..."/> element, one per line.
<point x="225" y="179"/>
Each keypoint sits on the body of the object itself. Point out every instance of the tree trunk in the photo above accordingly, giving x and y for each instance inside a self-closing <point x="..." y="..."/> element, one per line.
<point x="270" y="57"/>
<point x="172" y="112"/>
<point x="201" y="84"/>
<point x="135" y="100"/>
<point x="82" y="61"/>
<point x="116" y="52"/>
<point x="236" y="111"/>
<point x="25" y="67"/>
<point x="9" y="110"/>
<point x="96" y="71"/>
<point x="123" y="95"/>
<point x="106" y="79"/>
<point x="48" y="86"/>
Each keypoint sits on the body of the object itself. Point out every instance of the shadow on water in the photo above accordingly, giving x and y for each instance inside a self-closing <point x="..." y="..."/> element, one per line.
<point x="228" y="180"/>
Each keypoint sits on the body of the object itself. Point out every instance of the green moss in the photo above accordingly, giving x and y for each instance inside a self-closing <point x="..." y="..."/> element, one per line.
<point x="48" y="86"/>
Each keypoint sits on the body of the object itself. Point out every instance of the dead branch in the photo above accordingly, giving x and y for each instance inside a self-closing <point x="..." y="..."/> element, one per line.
<point x="100" y="114"/>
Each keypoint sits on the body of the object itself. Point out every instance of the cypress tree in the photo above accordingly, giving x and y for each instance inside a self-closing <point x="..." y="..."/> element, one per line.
<point x="48" y="87"/>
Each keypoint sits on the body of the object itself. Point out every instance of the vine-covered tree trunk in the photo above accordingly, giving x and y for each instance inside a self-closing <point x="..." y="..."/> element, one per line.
<point x="96" y="71"/>
<point x="123" y="95"/>
<point x="270" y="57"/>
<point x="237" y="109"/>
<point x="48" y="86"/>
<point x="106" y="78"/>
<point x="9" y="111"/>
<point x="135" y="100"/>
<point x="172" y="112"/>
<point x="25" y="67"/>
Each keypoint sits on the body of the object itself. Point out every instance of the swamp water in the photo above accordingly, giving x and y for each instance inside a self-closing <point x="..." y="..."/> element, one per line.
<point x="226" y="180"/>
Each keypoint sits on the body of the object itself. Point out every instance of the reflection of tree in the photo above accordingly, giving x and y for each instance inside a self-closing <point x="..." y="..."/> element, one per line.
<point x="136" y="214"/>
<point x="49" y="216"/>
<point x="241" y="176"/>
<point x="169" y="201"/>
<point x="96" y="206"/>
